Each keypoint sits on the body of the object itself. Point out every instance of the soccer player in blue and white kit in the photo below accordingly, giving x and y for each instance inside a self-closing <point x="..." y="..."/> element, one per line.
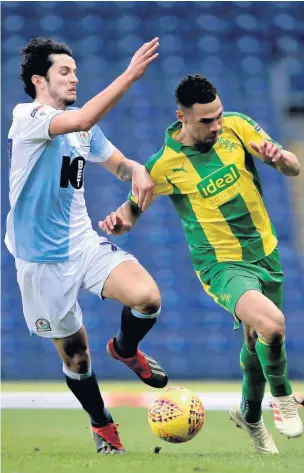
<point x="50" y="234"/>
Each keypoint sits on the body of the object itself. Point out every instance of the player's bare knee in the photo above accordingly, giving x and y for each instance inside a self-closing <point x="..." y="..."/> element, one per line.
<point x="77" y="355"/>
<point x="79" y="362"/>
<point x="272" y="329"/>
<point x="147" y="300"/>
<point x="272" y="335"/>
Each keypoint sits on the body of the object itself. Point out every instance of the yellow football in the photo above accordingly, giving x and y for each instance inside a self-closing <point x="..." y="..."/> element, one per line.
<point x="176" y="415"/>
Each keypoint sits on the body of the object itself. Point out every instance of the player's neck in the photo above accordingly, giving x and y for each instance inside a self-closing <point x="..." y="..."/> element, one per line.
<point x="47" y="100"/>
<point x="187" y="140"/>
<point x="184" y="138"/>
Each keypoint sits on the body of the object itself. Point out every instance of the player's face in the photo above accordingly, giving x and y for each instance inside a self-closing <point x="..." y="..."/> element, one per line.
<point x="203" y="122"/>
<point x="62" y="80"/>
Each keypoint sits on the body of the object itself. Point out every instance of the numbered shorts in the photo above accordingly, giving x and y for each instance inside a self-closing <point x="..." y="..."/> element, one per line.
<point x="50" y="291"/>
<point x="227" y="282"/>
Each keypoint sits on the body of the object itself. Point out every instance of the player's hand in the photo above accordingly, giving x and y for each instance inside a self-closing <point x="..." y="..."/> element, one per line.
<point x="268" y="151"/>
<point x="142" y="187"/>
<point x="113" y="224"/>
<point x="142" y="58"/>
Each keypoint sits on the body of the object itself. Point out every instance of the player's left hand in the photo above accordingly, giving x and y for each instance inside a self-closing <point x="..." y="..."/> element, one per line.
<point x="115" y="225"/>
<point x="142" y="187"/>
<point x="268" y="151"/>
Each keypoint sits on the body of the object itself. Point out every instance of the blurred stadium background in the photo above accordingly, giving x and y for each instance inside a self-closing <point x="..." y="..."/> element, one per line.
<point x="253" y="51"/>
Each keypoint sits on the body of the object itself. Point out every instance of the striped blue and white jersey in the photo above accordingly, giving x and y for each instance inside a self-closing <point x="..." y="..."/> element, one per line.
<point x="48" y="220"/>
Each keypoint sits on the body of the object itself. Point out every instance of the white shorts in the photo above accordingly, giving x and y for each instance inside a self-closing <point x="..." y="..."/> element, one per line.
<point x="49" y="291"/>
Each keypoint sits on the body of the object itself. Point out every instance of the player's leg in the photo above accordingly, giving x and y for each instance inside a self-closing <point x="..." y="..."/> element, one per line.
<point x="114" y="274"/>
<point x="226" y="283"/>
<point x="254" y="382"/>
<point x="49" y="297"/>
<point x="268" y="321"/>
<point x="259" y="312"/>
<point x="80" y="378"/>
<point x="130" y="284"/>
<point x="249" y="414"/>
<point x="82" y="381"/>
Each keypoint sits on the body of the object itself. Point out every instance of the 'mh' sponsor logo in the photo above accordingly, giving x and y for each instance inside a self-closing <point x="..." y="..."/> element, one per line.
<point x="219" y="181"/>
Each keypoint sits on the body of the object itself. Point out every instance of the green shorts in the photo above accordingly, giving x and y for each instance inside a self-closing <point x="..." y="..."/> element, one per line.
<point x="227" y="282"/>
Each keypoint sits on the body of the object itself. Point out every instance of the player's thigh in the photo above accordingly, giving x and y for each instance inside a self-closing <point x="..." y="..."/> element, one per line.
<point x="130" y="284"/>
<point x="49" y="298"/>
<point x="227" y="283"/>
<point x="260" y="313"/>
<point x="115" y="274"/>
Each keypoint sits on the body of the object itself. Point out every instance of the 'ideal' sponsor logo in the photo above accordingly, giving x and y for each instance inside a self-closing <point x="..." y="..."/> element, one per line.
<point x="218" y="181"/>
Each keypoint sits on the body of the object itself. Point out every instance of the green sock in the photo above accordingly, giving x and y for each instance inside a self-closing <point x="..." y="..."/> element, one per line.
<point x="274" y="364"/>
<point x="253" y="386"/>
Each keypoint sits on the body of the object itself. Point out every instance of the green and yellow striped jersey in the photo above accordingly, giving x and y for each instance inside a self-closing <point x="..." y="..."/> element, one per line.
<point x="218" y="194"/>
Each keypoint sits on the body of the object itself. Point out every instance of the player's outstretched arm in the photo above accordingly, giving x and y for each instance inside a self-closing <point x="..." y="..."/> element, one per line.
<point x="98" y="106"/>
<point x="122" y="220"/>
<point x="284" y="161"/>
<point x="127" y="170"/>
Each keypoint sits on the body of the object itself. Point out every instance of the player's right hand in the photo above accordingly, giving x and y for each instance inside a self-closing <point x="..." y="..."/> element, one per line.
<point x="113" y="224"/>
<point x="142" y="58"/>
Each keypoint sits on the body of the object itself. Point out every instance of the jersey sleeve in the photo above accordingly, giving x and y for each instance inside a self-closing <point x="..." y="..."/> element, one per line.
<point x="101" y="149"/>
<point x="34" y="121"/>
<point x="248" y="130"/>
<point x="155" y="167"/>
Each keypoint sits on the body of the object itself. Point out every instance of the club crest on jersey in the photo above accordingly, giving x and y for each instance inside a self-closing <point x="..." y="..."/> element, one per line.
<point x="84" y="138"/>
<point x="43" y="325"/>
<point x="227" y="144"/>
<point x="219" y="181"/>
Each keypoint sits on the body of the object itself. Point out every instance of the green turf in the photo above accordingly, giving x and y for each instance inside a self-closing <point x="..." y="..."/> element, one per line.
<point x="129" y="386"/>
<point x="55" y="441"/>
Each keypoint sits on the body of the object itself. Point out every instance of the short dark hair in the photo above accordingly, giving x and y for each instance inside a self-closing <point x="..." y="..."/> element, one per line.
<point x="195" y="89"/>
<point x="36" y="60"/>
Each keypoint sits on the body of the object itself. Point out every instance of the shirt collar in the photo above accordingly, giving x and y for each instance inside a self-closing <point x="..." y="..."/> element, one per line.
<point x="171" y="142"/>
<point x="175" y="145"/>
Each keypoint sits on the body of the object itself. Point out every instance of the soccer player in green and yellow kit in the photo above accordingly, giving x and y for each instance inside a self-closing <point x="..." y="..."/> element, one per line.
<point x="207" y="169"/>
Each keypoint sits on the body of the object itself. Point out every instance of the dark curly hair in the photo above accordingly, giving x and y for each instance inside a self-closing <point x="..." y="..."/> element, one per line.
<point x="194" y="89"/>
<point x="36" y="60"/>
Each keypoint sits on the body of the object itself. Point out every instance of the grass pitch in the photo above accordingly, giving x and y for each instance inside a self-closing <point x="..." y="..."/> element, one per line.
<point x="55" y="441"/>
<point x="52" y="441"/>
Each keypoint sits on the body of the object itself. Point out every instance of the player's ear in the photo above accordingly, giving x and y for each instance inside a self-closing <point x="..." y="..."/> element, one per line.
<point x="37" y="80"/>
<point x="180" y="115"/>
